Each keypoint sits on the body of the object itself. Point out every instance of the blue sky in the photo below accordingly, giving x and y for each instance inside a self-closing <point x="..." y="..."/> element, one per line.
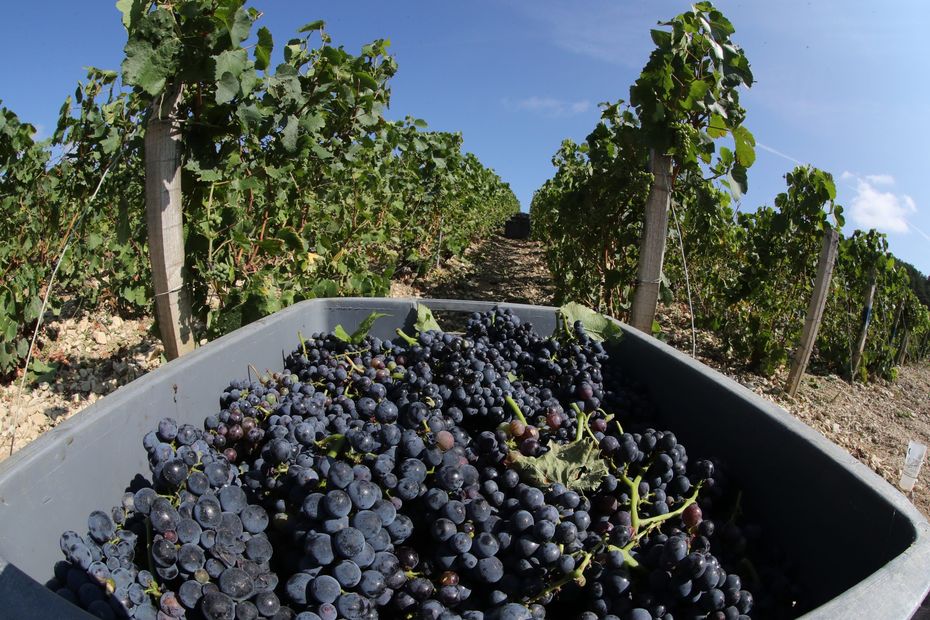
<point x="841" y="85"/>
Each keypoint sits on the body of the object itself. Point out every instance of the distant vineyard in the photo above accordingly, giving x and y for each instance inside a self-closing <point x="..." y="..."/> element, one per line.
<point x="749" y="275"/>
<point x="295" y="184"/>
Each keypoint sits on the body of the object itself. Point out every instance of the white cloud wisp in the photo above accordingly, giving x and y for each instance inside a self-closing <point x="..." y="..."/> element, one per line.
<point x="883" y="210"/>
<point x="549" y="107"/>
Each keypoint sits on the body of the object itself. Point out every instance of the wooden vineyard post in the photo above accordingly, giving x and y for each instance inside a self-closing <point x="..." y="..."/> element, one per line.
<point x="897" y="320"/>
<point x="163" y="216"/>
<point x="814" y="310"/>
<point x="652" y="246"/>
<point x="866" y="319"/>
<point x="902" y="352"/>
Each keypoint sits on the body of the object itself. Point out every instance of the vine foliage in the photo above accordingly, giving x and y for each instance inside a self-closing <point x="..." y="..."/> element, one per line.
<point x="751" y="274"/>
<point x="295" y="183"/>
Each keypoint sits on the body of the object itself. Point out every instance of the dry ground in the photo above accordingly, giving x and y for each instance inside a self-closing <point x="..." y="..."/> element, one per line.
<point x="97" y="353"/>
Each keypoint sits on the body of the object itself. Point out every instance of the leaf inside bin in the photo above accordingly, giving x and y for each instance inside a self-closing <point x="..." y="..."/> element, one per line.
<point x="359" y="334"/>
<point x="425" y="320"/>
<point x="596" y="325"/>
<point x="578" y="465"/>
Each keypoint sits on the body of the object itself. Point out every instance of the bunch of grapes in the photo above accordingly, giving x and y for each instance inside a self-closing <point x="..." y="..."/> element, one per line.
<point x="100" y="572"/>
<point x="496" y="474"/>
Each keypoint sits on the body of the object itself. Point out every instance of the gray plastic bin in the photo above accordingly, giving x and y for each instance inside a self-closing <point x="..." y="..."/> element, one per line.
<point x="861" y="547"/>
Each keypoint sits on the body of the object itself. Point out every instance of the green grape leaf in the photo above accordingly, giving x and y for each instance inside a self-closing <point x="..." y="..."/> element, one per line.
<point x="232" y="61"/>
<point x="332" y="55"/>
<point x="360" y="332"/>
<point x="263" y="49"/>
<point x="365" y="326"/>
<point x="152" y="53"/>
<point x="132" y="11"/>
<point x="366" y="80"/>
<point x="239" y="29"/>
<point x="40" y="368"/>
<point x="123" y="230"/>
<point x="666" y="295"/>
<point x="312" y="26"/>
<point x="425" y="320"/>
<point x="289" y="135"/>
<point x="94" y="241"/>
<point x="662" y="39"/>
<point x="40" y="372"/>
<point x="578" y="465"/>
<point x="227" y="87"/>
<point x="745" y="146"/>
<point x="34" y="307"/>
<point x="293" y="240"/>
<point x="249" y="115"/>
<point x="596" y="325"/>
<point x="737" y="181"/>
<point x="717" y="126"/>
<point x="312" y="123"/>
<point x="340" y="333"/>
<point x="148" y="67"/>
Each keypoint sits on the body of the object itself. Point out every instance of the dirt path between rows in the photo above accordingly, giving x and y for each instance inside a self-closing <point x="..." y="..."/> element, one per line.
<point x="97" y="353"/>
<point x="501" y="270"/>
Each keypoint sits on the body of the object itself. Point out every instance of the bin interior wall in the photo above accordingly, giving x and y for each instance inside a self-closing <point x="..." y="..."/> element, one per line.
<point x="835" y="523"/>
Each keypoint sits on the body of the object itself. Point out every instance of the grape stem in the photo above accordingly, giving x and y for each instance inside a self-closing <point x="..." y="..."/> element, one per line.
<point x="516" y="409"/>
<point x="633" y="485"/>
<point x="674" y="513"/>
<point x="583" y="425"/>
<point x="303" y="343"/>
<point x="628" y="558"/>
<point x="576" y="575"/>
<point x="348" y="358"/>
<point x="642" y="526"/>
<point x="153" y="589"/>
<point x="358" y="352"/>
<point x="338" y="442"/>
<point x="410" y="341"/>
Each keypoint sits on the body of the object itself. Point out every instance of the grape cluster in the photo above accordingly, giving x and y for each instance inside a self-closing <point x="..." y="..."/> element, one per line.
<point x="100" y="573"/>
<point x="496" y="474"/>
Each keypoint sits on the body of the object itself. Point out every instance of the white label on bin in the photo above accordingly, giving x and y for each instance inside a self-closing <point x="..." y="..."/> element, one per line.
<point x="912" y="462"/>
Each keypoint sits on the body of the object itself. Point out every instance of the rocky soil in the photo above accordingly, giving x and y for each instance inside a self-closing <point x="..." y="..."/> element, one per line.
<point x="872" y="421"/>
<point x="94" y="353"/>
<point x="97" y="353"/>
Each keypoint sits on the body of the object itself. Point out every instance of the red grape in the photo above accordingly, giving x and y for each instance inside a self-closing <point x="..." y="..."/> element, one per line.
<point x="692" y="515"/>
<point x="445" y="440"/>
